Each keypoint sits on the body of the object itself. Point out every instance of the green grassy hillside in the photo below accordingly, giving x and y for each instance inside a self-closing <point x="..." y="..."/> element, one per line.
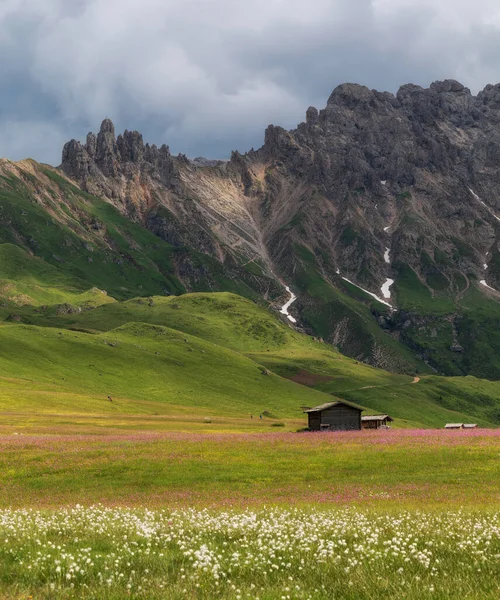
<point x="144" y="368"/>
<point x="457" y="334"/>
<point x="211" y="352"/>
<point x="26" y="280"/>
<point x="344" y="314"/>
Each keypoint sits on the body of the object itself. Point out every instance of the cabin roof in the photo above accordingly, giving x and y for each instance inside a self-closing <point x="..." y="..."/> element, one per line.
<point x="469" y="425"/>
<point x="377" y="418"/>
<point x="453" y="425"/>
<point x="327" y="405"/>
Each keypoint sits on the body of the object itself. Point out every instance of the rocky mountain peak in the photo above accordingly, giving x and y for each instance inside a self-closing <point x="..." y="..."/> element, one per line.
<point x="312" y="115"/>
<point x="363" y="154"/>
<point x="130" y="146"/>
<point x="448" y="86"/>
<point x="91" y="144"/>
<point x="106" y="149"/>
<point x="373" y="188"/>
<point x="105" y="158"/>
<point x="490" y="96"/>
<point x="350" y="95"/>
<point x="107" y="127"/>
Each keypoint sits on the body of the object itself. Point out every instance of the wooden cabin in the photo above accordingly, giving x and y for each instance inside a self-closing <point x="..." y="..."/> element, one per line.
<point x="453" y="426"/>
<point x="376" y="421"/>
<point x="334" y="416"/>
<point x="469" y="425"/>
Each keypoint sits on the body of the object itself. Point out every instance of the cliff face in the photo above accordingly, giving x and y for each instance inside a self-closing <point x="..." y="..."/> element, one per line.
<point x="200" y="204"/>
<point x="415" y="173"/>
<point x="374" y="188"/>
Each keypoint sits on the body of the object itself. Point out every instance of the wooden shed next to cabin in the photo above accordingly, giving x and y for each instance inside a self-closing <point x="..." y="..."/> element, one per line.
<point x="334" y="416"/>
<point x="470" y="425"/>
<point x="453" y="426"/>
<point x="376" y="421"/>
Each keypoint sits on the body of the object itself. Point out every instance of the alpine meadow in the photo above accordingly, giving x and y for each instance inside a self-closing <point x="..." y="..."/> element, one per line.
<point x="271" y="377"/>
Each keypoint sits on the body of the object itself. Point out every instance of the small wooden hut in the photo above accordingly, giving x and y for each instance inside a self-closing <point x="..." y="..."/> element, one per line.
<point x="376" y="421"/>
<point x="334" y="416"/>
<point x="469" y="425"/>
<point x="453" y="426"/>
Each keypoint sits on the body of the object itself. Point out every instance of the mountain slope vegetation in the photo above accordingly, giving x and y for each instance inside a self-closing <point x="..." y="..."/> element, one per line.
<point x="214" y="352"/>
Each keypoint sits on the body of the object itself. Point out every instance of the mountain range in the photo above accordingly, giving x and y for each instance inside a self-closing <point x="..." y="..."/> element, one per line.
<point x="380" y="212"/>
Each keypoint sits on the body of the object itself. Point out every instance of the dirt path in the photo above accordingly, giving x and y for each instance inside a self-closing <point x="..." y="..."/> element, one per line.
<point x="460" y="295"/>
<point x="369" y="387"/>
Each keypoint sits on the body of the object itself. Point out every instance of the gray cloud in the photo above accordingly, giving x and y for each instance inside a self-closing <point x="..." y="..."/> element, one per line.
<point x="207" y="76"/>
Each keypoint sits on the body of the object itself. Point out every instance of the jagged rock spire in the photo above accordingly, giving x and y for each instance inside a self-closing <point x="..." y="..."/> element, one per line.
<point x="103" y="158"/>
<point x="107" y="150"/>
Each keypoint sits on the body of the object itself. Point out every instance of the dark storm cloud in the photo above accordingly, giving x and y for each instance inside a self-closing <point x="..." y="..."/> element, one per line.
<point x="207" y="76"/>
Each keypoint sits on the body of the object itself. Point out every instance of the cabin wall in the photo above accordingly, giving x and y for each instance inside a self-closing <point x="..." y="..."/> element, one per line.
<point x="341" y="418"/>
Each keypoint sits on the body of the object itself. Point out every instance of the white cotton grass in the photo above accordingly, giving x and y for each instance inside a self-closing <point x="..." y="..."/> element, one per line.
<point x="103" y="552"/>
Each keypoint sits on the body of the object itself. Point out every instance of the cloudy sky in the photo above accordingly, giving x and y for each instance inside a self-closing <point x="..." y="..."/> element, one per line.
<point x="207" y="76"/>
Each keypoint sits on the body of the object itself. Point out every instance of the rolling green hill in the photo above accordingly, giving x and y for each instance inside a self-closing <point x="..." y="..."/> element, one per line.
<point x="144" y="368"/>
<point x="218" y="353"/>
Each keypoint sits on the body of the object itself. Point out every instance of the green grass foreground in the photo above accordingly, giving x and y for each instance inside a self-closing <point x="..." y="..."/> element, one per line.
<point x="99" y="553"/>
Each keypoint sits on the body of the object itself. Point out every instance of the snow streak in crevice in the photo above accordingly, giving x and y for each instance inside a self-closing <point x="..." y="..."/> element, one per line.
<point x="485" y="205"/>
<point x="285" y="307"/>
<point x="371" y="293"/>
<point x="386" y="288"/>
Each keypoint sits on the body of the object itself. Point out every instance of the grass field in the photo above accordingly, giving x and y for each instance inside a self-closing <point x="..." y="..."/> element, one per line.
<point x="144" y="368"/>
<point x="369" y="515"/>
<point x="396" y="468"/>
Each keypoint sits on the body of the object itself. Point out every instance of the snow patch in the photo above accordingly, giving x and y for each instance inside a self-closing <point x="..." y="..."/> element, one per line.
<point x="387" y="256"/>
<point x="285" y="307"/>
<point x="485" y="205"/>
<point x="387" y="228"/>
<point x="386" y="288"/>
<point x="485" y="266"/>
<point x="383" y="181"/>
<point x="483" y="282"/>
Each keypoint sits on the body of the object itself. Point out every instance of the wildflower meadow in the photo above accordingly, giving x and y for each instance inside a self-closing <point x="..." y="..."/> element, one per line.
<point x="271" y="553"/>
<point x="414" y="469"/>
<point x="356" y="515"/>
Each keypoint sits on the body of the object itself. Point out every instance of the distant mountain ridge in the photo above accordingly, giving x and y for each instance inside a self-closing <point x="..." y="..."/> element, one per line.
<point x="374" y="188"/>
